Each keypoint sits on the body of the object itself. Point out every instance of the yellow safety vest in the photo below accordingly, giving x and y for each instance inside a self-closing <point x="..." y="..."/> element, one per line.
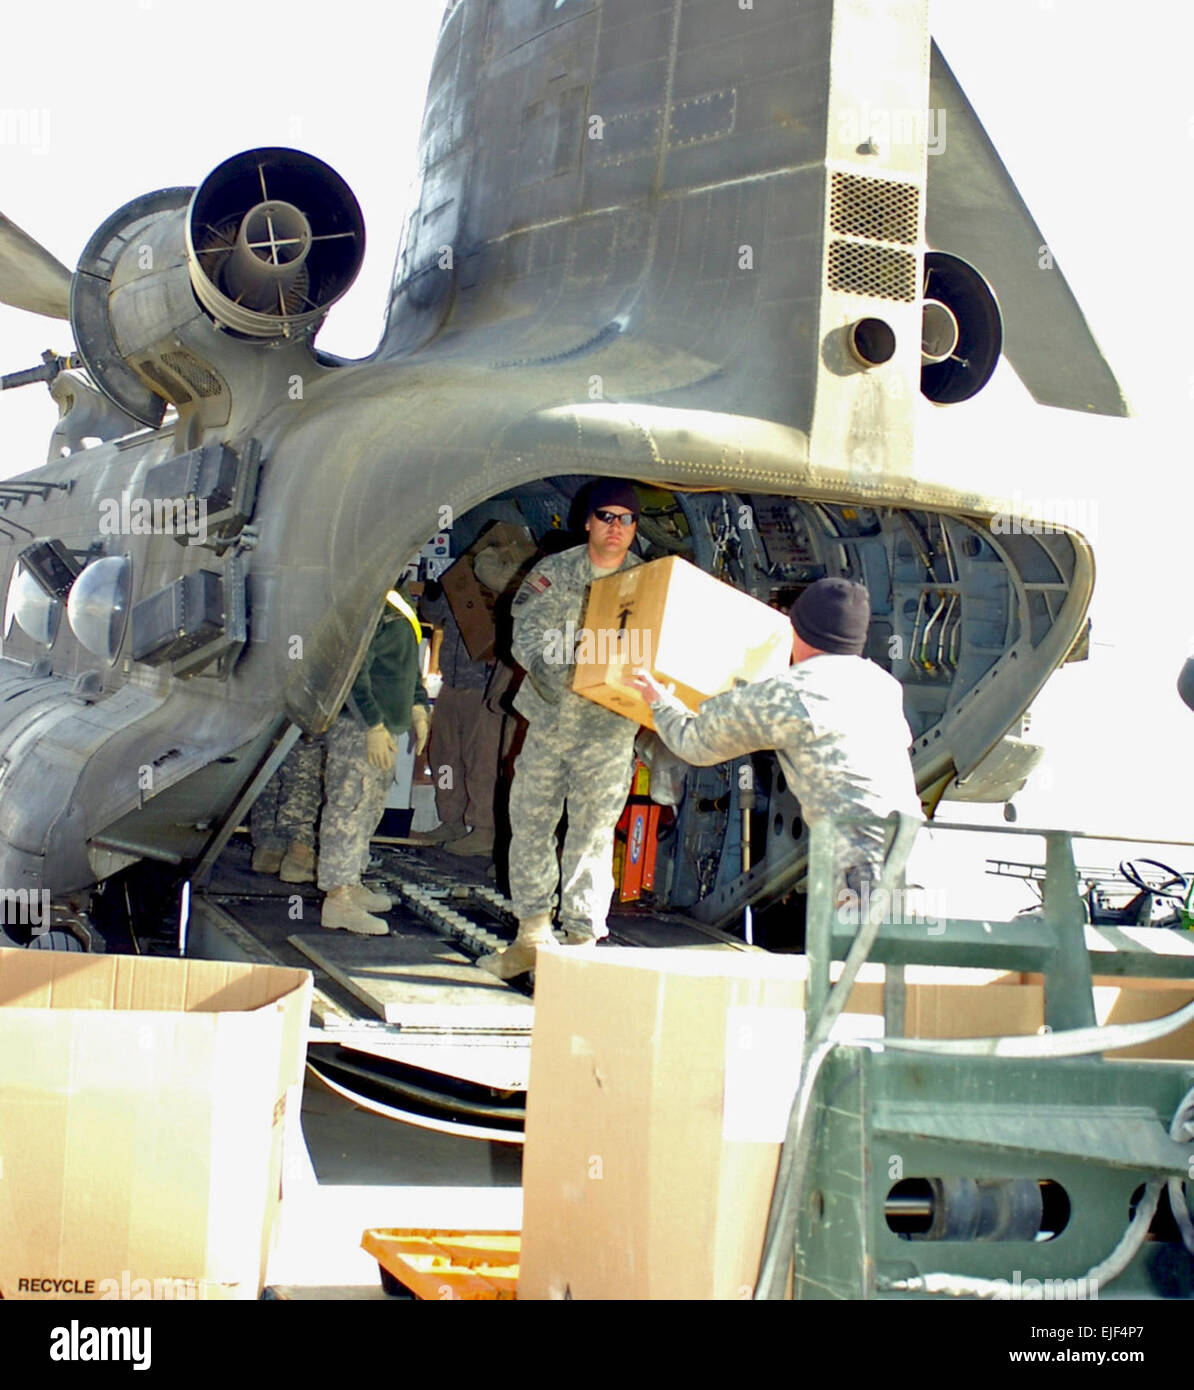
<point x="395" y="600"/>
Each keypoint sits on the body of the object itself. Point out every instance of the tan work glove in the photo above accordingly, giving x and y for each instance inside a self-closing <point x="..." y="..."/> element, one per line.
<point x="380" y="747"/>
<point x="420" y="727"/>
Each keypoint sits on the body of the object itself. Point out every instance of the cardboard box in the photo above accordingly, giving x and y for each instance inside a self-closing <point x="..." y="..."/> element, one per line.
<point x="687" y="628"/>
<point x="660" y="1087"/>
<point x="472" y="603"/>
<point x="142" y="1106"/>
<point x="1127" y="999"/>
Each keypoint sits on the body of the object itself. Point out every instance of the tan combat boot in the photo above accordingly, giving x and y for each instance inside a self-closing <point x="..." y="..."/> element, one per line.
<point x="298" y="864"/>
<point x="519" y="957"/>
<point x="583" y="936"/>
<point x="580" y="940"/>
<point x="370" y="900"/>
<point x="340" y="912"/>
<point x="266" y="861"/>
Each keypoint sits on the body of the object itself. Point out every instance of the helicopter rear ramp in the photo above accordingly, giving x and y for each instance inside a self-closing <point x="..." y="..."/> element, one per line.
<point x="405" y="1024"/>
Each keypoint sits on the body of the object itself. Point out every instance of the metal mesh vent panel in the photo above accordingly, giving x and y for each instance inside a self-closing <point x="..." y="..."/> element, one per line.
<point x="170" y="386"/>
<point x="194" y="373"/>
<point x="879" y="272"/>
<point x="874" y="208"/>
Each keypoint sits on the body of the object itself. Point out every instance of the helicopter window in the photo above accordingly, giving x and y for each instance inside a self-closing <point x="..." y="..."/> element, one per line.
<point x="98" y="605"/>
<point x="31" y="608"/>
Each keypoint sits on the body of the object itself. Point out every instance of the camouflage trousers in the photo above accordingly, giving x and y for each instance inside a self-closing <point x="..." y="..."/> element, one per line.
<point x="354" y="800"/>
<point x="593" y="783"/>
<point x="333" y="770"/>
<point x="289" y="802"/>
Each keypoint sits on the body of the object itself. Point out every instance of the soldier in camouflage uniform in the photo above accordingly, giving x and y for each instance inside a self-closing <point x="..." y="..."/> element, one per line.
<point x="268" y="845"/>
<point x="835" y="721"/>
<point x="288" y="803"/>
<point x="576" y="753"/>
<point x="298" y="805"/>
<point x="387" y="699"/>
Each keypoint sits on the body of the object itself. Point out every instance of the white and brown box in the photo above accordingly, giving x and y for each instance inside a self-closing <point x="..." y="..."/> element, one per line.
<point x="688" y="629"/>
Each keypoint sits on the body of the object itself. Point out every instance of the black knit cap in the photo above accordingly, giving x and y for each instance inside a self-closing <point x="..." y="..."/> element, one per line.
<point x="833" y="615"/>
<point x="613" y="492"/>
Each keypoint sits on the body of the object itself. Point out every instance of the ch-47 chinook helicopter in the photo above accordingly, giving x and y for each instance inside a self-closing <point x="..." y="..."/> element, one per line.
<point x="711" y="248"/>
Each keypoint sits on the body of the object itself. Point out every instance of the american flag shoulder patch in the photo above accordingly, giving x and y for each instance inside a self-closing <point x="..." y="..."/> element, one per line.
<point x="539" y="582"/>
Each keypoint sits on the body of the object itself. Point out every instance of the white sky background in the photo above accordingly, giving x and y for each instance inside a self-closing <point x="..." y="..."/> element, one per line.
<point x="1088" y="102"/>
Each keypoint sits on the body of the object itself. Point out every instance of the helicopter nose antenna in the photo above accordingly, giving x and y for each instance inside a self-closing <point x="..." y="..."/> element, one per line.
<point x="274" y="238"/>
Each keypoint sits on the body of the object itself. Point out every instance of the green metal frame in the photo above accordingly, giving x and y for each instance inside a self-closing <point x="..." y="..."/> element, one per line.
<point x="869" y="1115"/>
<point x="1100" y="1130"/>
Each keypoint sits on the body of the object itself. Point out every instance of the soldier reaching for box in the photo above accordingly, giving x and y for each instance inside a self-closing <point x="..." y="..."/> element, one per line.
<point x="835" y="721"/>
<point x="576" y="753"/>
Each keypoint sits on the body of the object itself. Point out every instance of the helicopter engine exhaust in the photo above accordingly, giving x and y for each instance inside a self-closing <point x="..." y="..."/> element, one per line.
<point x="274" y="237"/>
<point x="939" y="332"/>
<point x="961" y="330"/>
<point x="177" y="288"/>
<point x="270" y="251"/>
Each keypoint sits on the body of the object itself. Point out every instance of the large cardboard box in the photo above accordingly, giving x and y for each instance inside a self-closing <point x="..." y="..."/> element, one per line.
<point x="660" y="1087"/>
<point x="472" y="602"/>
<point x="141" y="1122"/>
<point x="687" y="628"/>
<point x="1129" y="999"/>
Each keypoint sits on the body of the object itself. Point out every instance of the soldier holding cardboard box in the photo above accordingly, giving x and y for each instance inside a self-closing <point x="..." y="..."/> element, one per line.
<point x="576" y="753"/>
<point x="835" y="721"/>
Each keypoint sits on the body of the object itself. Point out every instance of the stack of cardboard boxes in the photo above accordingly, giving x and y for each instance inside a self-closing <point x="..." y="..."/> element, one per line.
<point x="660" y="1087"/>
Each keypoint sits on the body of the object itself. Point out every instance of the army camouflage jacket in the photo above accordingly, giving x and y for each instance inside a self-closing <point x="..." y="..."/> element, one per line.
<point x="552" y="596"/>
<point x="837" y="725"/>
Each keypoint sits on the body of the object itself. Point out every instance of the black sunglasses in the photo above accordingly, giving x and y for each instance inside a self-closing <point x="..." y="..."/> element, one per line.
<point x="620" y="518"/>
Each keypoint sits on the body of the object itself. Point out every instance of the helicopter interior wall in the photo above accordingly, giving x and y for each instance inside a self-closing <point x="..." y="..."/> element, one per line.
<point x="950" y="600"/>
<point x="957" y="607"/>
